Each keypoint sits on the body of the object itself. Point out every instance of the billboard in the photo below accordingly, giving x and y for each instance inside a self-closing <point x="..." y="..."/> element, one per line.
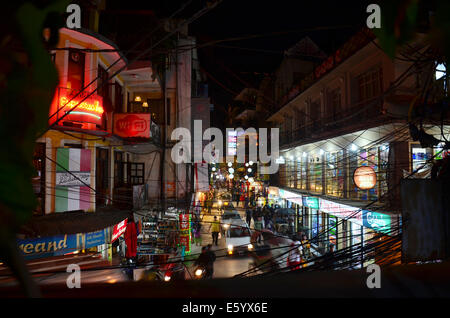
<point x="131" y="125"/>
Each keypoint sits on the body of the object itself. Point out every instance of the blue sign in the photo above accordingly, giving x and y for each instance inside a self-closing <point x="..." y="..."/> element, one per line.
<point x="59" y="245"/>
<point x="48" y="246"/>
<point x="94" y="239"/>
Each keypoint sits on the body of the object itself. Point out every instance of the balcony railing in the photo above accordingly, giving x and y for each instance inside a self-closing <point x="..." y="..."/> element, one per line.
<point x="362" y="112"/>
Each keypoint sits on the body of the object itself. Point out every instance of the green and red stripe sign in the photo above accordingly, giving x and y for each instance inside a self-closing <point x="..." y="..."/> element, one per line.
<point x="73" y="175"/>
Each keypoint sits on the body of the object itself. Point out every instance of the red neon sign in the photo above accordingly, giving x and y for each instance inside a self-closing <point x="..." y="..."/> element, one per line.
<point x="93" y="107"/>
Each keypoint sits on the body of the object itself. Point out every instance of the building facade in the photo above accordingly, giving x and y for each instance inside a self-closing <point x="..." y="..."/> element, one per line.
<point x="353" y="111"/>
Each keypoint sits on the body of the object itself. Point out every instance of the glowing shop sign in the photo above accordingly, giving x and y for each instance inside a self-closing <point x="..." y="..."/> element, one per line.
<point x="365" y="178"/>
<point x="89" y="106"/>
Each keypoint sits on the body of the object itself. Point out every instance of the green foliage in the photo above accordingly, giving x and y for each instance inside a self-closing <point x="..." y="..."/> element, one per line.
<point x="398" y="24"/>
<point x="26" y="92"/>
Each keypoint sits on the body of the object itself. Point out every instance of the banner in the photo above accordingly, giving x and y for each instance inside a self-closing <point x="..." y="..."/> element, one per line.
<point x="185" y="231"/>
<point x="118" y="230"/>
<point x="73" y="175"/>
<point x="59" y="245"/>
<point x="201" y="177"/>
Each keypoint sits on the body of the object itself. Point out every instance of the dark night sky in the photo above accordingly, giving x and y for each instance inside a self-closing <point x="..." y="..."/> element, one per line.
<point x="287" y="20"/>
<point x="242" y="61"/>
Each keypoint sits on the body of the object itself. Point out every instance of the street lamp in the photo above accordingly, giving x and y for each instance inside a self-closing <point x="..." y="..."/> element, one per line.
<point x="230" y="164"/>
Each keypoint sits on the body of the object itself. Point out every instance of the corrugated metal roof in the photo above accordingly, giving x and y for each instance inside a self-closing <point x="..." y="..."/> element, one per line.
<point x="72" y="222"/>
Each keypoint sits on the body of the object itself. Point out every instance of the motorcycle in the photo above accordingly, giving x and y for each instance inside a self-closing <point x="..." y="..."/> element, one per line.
<point x="200" y="272"/>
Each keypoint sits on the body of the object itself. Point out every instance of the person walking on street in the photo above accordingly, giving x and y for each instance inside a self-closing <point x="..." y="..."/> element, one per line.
<point x="130" y="236"/>
<point x="215" y="229"/>
<point x="197" y="235"/>
<point x="294" y="259"/>
<point x="258" y="227"/>
<point x="328" y="260"/>
<point x="211" y="256"/>
<point x="248" y="214"/>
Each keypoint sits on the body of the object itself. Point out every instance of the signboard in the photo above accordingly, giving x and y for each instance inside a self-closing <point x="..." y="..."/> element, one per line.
<point x="73" y="166"/>
<point x="185" y="231"/>
<point x="94" y="239"/>
<point x="60" y="244"/>
<point x="365" y="178"/>
<point x="232" y="143"/>
<point x="66" y="179"/>
<point x="132" y="125"/>
<point x="83" y="108"/>
<point x="118" y="230"/>
<point x="291" y="196"/>
<point x="311" y="202"/>
<point x="379" y="222"/>
<point x="350" y="213"/>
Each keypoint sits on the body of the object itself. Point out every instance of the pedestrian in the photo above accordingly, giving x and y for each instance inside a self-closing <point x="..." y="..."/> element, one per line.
<point x="215" y="229"/>
<point x="211" y="258"/>
<point x="197" y="235"/>
<point x="328" y="260"/>
<point x="306" y="246"/>
<point x="130" y="236"/>
<point x="266" y="215"/>
<point x="294" y="259"/>
<point x="248" y="214"/>
<point x="258" y="227"/>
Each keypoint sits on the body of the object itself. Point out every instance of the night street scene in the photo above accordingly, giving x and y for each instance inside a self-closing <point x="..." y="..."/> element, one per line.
<point x="224" y="149"/>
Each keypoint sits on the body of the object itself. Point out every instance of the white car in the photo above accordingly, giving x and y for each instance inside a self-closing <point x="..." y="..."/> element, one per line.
<point x="238" y="237"/>
<point x="230" y="215"/>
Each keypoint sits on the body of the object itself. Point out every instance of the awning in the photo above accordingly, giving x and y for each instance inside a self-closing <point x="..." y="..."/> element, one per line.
<point x="72" y="222"/>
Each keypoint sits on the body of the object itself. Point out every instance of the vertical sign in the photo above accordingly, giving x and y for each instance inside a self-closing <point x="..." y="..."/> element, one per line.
<point x="73" y="174"/>
<point x="185" y="232"/>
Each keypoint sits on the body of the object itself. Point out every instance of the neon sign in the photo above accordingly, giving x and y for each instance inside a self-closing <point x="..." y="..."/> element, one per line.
<point x="94" y="107"/>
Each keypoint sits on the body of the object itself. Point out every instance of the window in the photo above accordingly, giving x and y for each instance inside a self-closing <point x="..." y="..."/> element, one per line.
<point x="118" y="169"/>
<point x="118" y="98"/>
<point x="441" y="71"/>
<point x="239" y="232"/>
<point x="334" y="104"/>
<point x="370" y="84"/>
<point x="314" y="113"/>
<point x="136" y="173"/>
<point x="75" y="76"/>
<point x="39" y="178"/>
<point x="102" y="83"/>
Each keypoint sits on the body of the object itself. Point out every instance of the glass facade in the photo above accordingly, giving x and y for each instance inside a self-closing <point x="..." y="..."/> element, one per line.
<point x="332" y="173"/>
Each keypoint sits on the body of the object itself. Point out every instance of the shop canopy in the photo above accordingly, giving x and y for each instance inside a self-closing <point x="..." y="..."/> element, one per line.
<point x="72" y="222"/>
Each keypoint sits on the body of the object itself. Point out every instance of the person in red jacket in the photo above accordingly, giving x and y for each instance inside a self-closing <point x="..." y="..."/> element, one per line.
<point x="130" y="236"/>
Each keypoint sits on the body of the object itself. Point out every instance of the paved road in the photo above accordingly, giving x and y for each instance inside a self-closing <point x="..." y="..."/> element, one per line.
<point x="225" y="266"/>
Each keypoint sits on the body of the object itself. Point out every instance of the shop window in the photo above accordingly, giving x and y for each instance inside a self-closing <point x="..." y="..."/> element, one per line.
<point x="315" y="174"/>
<point x="420" y="157"/>
<point x="298" y="174"/>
